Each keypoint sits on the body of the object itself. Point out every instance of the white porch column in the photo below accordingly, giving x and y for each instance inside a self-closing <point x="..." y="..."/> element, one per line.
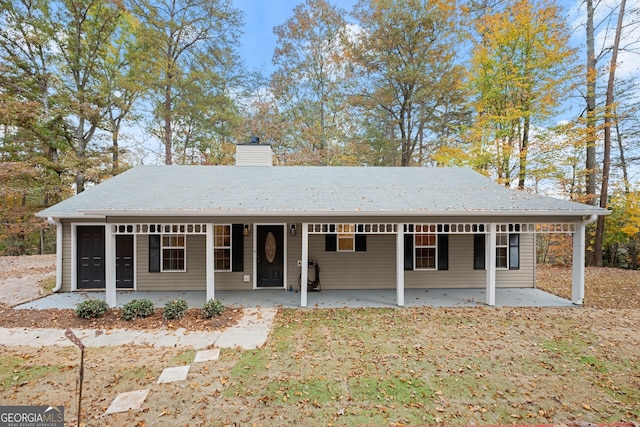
<point x="210" y="264"/>
<point x="400" y="265"/>
<point x="110" y="265"/>
<point x="304" y="274"/>
<point x="577" y="274"/>
<point x="490" y="264"/>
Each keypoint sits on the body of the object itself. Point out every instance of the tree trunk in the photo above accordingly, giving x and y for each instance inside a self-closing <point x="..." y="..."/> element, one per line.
<point x="167" y="127"/>
<point x="114" y="146"/>
<point x="591" y="167"/>
<point x="623" y="161"/>
<point x="606" y="162"/>
<point x="81" y="154"/>
<point x="524" y="146"/>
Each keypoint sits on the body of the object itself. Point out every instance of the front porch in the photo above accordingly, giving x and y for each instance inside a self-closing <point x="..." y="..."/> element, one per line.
<point x="330" y="298"/>
<point x="432" y="249"/>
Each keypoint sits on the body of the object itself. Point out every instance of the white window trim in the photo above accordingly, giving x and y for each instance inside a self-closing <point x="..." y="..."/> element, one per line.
<point x="346" y="232"/>
<point x="415" y="251"/>
<point x="506" y="247"/>
<point x="163" y="247"/>
<point x="229" y="248"/>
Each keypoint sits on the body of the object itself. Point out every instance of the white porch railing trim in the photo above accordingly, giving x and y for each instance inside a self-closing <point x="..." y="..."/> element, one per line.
<point x="358" y="228"/>
<point x="162" y="228"/>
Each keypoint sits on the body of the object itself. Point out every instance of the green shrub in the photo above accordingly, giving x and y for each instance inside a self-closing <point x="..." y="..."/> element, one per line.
<point x="137" y="308"/>
<point x="211" y="308"/>
<point x="91" y="309"/>
<point x="175" y="309"/>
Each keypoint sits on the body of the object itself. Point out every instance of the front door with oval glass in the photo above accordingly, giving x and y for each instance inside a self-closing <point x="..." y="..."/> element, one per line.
<point x="270" y="256"/>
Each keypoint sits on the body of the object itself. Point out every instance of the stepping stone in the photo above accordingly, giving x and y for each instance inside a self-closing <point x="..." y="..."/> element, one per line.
<point x="127" y="401"/>
<point x="207" y="355"/>
<point x="178" y="373"/>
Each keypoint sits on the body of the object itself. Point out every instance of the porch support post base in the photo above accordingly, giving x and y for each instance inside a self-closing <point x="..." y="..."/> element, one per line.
<point x="304" y="273"/>
<point x="400" y="265"/>
<point x="490" y="263"/>
<point x="577" y="267"/>
<point x="210" y="264"/>
<point x="110" y="266"/>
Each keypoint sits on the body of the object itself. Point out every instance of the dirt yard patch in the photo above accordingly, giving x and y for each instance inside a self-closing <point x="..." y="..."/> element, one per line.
<point x="21" y="277"/>
<point x="604" y="287"/>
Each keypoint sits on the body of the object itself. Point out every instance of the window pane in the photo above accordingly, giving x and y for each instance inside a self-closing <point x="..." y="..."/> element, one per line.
<point x="173" y="259"/>
<point x="501" y="239"/>
<point x="425" y="239"/>
<point x="425" y="258"/>
<point x="346" y="242"/>
<point x="222" y="235"/>
<point x="501" y="257"/>
<point x="222" y="259"/>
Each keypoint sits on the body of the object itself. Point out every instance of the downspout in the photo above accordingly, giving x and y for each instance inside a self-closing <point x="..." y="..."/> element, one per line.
<point x="58" y="225"/>
<point x="591" y="220"/>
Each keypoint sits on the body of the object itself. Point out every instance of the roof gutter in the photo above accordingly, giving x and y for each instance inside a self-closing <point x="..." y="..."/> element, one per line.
<point x="58" y="225"/>
<point x="591" y="220"/>
<point x="77" y="215"/>
<point x="86" y="213"/>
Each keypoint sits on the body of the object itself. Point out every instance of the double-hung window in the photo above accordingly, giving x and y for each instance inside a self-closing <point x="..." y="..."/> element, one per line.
<point x="173" y="252"/>
<point x="222" y="247"/>
<point x="507" y="251"/>
<point x="502" y="250"/>
<point x="425" y="247"/>
<point x="167" y="252"/>
<point x="346" y="237"/>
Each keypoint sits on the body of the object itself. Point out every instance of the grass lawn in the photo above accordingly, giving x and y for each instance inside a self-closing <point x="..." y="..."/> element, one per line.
<point x="431" y="366"/>
<point x="373" y="367"/>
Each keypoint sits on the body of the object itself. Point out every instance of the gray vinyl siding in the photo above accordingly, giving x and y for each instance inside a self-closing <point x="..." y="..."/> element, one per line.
<point x="66" y="257"/>
<point x="294" y="254"/>
<point x="461" y="273"/>
<point x="371" y="269"/>
<point x="194" y="278"/>
<point x="376" y="268"/>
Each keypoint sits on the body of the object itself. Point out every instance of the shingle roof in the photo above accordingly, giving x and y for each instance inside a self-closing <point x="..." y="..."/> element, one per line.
<point x="306" y="191"/>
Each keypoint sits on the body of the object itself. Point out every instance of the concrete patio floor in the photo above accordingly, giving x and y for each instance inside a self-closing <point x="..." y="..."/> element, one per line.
<point x="505" y="297"/>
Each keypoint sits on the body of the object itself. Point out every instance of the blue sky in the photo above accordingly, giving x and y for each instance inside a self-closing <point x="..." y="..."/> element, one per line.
<point x="260" y="16"/>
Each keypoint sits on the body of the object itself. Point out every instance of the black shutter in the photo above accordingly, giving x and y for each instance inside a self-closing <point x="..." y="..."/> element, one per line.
<point x="478" y="251"/>
<point x="154" y="253"/>
<point x="361" y="242"/>
<point x="514" y="251"/>
<point x="237" y="247"/>
<point x="408" y="252"/>
<point x="443" y="251"/>
<point x="330" y="242"/>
